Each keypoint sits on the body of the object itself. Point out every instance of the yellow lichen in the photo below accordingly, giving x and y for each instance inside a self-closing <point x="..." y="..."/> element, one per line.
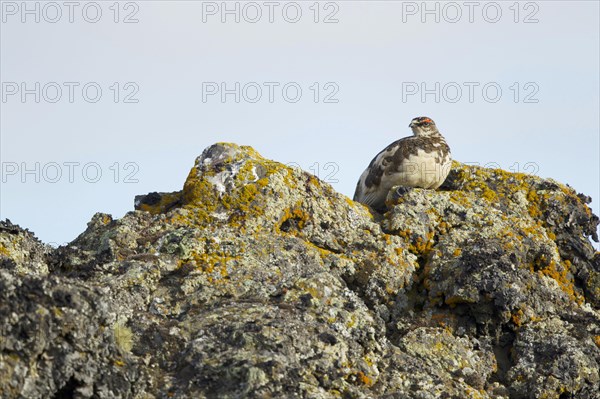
<point x="349" y="202"/>
<point x="214" y="262"/>
<point x="123" y="336"/>
<point x="324" y="253"/>
<point x="454" y="300"/>
<point x="443" y="227"/>
<point x="406" y="234"/>
<point x="167" y="201"/>
<point x="206" y="203"/>
<point x="460" y="198"/>
<point x="4" y="251"/>
<point x="351" y="322"/>
<point x="263" y="182"/>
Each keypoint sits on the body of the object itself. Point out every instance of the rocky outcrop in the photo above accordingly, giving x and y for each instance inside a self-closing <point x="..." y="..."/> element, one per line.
<point x="258" y="280"/>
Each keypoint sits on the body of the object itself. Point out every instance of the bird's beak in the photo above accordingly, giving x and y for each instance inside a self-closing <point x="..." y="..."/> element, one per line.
<point x="412" y="124"/>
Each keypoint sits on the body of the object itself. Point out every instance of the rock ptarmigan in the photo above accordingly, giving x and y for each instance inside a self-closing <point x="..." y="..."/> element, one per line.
<point x="422" y="160"/>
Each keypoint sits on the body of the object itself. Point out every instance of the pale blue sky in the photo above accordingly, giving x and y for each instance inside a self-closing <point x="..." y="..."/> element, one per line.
<point x="367" y="57"/>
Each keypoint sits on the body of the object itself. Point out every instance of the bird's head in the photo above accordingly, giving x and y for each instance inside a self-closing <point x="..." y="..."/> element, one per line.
<point x="423" y="126"/>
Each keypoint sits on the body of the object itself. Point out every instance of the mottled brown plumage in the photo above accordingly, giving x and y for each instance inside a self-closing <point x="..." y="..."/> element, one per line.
<point x="422" y="160"/>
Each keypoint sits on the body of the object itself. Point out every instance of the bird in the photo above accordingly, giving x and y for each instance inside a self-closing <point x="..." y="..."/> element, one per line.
<point x="421" y="160"/>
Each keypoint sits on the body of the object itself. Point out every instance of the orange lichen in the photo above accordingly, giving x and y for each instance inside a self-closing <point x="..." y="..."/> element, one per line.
<point x="422" y="246"/>
<point x="365" y="379"/>
<point x="444" y="320"/>
<point x="534" y="204"/>
<point x="292" y="219"/>
<point x="517" y="318"/>
<point x="561" y="273"/>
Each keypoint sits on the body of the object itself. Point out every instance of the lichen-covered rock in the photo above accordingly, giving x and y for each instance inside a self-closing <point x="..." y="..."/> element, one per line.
<point x="20" y="251"/>
<point x="58" y="341"/>
<point x="493" y="267"/>
<point x="434" y="363"/>
<point x="552" y="358"/>
<point x="258" y="280"/>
